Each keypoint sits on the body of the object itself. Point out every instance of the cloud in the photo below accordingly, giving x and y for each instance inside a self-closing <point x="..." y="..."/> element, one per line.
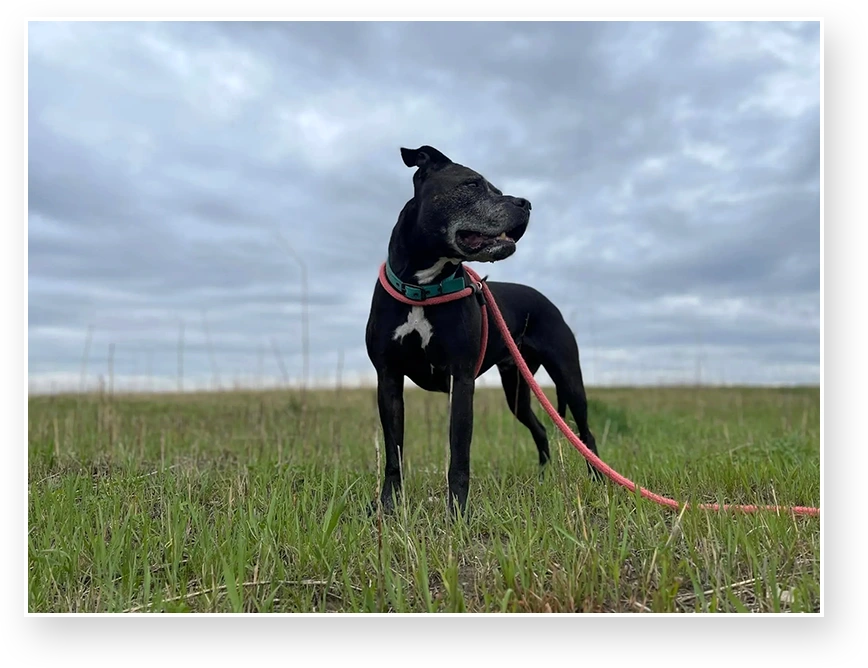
<point x="674" y="170"/>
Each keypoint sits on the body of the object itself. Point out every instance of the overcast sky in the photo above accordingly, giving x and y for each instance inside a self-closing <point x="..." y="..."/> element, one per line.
<point x="674" y="170"/>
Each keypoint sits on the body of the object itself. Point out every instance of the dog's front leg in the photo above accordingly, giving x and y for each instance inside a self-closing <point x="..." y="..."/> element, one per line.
<point x="390" y="400"/>
<point x="460" y="435"/>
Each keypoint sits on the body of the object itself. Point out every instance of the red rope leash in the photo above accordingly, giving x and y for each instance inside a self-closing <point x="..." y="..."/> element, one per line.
<point x="595" y="461"/>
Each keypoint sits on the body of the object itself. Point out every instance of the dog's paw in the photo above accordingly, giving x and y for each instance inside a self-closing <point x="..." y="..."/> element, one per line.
<point x="374" y="507"/>
<point x="459" y="510"/>
<point x="595" y="474"/>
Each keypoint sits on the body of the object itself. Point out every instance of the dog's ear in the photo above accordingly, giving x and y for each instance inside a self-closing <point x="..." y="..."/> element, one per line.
<point x="424" y="156"/>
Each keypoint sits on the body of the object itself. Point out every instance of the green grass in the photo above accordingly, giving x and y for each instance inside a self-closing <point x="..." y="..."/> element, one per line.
<point x="255" y="502"/>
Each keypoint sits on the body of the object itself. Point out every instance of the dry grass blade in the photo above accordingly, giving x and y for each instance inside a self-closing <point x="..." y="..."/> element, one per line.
<point x="222" y="588"/>
<point x="685" y="598"/>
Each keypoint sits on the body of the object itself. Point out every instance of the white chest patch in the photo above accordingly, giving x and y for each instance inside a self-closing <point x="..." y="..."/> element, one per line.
<point x="429" y="274"/>
<point x="416" y="322"/>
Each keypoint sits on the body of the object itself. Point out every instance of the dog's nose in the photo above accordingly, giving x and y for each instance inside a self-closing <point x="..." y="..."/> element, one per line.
<point x="521" y="202"/>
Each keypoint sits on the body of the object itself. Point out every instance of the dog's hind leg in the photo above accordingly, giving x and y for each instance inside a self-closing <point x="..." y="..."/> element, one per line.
<point x="566" y="373"/>
<point x="518" y="398"/>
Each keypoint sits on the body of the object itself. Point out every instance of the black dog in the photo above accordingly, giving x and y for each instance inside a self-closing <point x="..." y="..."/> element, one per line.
<point x="456" y="215"/>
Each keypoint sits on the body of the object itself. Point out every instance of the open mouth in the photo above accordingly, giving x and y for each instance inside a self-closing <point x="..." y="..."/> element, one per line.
<point x="475" y="242"/>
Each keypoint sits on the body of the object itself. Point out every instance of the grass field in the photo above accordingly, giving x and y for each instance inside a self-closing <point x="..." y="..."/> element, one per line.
<point x="255" y="502"/>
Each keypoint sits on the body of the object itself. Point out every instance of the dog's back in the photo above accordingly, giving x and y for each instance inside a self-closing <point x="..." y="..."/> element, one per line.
<point x="529" y="311"/>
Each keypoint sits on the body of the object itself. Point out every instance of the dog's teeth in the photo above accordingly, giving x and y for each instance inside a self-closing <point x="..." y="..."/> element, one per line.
<point x="502" y="236"/>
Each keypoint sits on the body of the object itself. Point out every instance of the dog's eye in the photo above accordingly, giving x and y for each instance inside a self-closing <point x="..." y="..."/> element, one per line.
<point x="474" y="183"/>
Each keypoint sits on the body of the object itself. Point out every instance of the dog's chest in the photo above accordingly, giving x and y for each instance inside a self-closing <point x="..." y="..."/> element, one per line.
<point x="423" y="359"/>
<point x="416" y="322"/>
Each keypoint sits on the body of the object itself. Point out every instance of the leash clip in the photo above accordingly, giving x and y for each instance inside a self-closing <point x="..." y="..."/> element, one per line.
<point x="477" y="290"/>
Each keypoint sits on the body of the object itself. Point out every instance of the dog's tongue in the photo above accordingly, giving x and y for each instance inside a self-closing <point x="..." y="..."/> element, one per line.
<point x="475" y="240"/>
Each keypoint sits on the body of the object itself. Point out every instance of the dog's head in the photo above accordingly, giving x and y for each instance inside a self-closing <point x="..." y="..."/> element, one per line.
<point x="459" y="209"/>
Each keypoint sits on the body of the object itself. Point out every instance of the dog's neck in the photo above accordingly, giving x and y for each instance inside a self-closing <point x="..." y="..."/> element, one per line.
<point x="414" y="263"/>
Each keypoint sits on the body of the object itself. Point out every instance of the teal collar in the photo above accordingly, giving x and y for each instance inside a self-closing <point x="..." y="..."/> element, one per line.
<point x="420" y="293"/>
